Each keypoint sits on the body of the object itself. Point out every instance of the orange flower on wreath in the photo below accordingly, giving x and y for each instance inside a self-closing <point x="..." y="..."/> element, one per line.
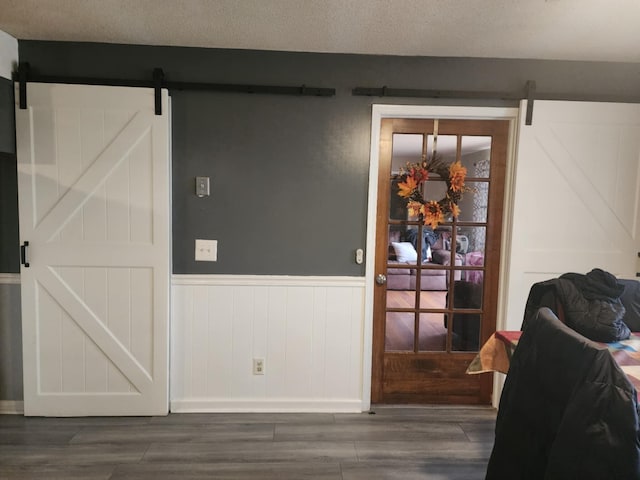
<point x="419" y="174"/>
<point x="455" y="209"/>
<point x="415" y="208"/>
<point x="457" y="174"/>
<point x="407" y="187"/>
<point x="433" y="214"/>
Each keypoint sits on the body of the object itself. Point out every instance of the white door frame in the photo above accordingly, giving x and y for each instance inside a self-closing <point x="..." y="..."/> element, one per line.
<point x="429" y="111"/>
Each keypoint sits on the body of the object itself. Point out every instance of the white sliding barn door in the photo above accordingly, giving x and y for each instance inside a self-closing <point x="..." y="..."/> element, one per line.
<point x="576" y="195"/>
<point x="93" y="176"/>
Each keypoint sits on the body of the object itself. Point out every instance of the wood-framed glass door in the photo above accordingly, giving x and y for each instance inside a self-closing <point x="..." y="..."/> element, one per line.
<point x="436" y="289"/>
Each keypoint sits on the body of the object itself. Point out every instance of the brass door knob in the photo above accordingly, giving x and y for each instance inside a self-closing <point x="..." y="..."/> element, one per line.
<point x="381" y="279"/>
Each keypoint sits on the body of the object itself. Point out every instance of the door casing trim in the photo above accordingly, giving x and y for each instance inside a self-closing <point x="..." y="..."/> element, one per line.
<point x="378" y="112"/>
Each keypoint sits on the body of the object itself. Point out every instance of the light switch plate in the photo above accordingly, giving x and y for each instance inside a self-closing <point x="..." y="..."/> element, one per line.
<point x="206" y="250"/>
<point x="202" y="186"/>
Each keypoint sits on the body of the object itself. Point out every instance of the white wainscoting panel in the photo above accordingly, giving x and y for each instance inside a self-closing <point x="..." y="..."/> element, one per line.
<point x="309" y="331"/>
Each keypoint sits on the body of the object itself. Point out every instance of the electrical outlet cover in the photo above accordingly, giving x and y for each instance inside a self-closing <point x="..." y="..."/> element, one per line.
<point x="258" y="366"/>
<point x="206" y="250"/>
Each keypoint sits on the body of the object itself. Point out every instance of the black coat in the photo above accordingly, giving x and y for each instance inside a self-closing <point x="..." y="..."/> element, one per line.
<point x="567" y="411"/>
<point x="589" y="303"/>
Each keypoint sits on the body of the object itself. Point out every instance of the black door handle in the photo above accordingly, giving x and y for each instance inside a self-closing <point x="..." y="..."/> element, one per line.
<point x="23" y="254"/>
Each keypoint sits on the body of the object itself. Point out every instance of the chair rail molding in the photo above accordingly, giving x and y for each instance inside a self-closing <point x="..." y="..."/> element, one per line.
<point x="9" y="278"/>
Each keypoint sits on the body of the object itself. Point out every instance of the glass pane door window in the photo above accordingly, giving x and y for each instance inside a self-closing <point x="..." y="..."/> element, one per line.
<point x="434" y="275"/>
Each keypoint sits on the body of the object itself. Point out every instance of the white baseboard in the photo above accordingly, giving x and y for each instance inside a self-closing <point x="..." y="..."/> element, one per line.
<point x="11" y="407"/>
<point x="207" y="405"/>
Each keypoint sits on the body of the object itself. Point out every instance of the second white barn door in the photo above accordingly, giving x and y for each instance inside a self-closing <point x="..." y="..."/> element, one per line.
<point x="577" y="195"/>
<point x="93" y="175"/>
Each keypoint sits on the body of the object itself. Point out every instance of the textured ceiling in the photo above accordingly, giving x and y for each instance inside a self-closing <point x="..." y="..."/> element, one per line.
<point x="600" y="30"/>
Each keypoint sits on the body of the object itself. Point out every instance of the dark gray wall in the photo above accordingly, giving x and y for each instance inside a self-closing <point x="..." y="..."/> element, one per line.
<point x="7" y="118"/>
<point x="9" y="261"/>
<point x="290" y="174"/>
<point x="288" y="183"/>
<point x="9" y="250"/>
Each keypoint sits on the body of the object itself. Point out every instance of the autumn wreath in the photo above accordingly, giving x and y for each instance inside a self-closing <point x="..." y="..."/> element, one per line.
<point x="432" y="212"/>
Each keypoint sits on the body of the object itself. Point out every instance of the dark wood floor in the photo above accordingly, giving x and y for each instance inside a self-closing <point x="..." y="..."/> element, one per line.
<point x="395" y="443"/>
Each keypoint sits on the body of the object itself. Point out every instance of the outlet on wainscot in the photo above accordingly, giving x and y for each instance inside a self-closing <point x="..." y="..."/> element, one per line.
<point x="258" y="366"/>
